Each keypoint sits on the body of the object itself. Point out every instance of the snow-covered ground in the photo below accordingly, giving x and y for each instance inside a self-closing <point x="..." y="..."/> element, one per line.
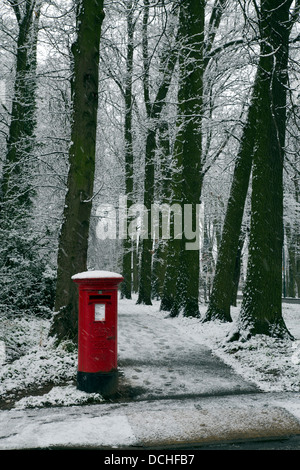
<point x="272" y="364"/>
<point x="35" y="374"/>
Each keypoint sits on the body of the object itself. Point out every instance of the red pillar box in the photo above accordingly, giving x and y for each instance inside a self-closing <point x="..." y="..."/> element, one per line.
<point x="97" y="331"/>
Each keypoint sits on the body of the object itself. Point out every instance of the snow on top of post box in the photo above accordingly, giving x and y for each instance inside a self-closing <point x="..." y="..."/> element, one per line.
<point x="96" y="275"/>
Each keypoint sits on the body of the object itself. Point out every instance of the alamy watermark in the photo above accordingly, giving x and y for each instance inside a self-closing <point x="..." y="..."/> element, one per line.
<point x="138" y="221"/>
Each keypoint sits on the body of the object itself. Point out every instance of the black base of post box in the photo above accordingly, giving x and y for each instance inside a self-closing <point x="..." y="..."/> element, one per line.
<point x="105" y="383"/>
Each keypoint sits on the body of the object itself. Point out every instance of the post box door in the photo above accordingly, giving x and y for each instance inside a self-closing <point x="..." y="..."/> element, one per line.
<point x="100" y="341"/>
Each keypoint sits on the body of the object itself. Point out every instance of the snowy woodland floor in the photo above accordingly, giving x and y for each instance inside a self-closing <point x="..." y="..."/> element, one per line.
<point x="35" y="374"/>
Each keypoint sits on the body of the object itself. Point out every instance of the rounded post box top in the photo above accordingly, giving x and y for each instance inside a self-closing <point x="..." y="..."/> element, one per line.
<point x="97" y="275"/>
<point x="97" y="280"/>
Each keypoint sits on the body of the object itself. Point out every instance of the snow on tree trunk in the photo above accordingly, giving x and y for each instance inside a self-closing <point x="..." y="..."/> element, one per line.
<point x="261" y="311"/>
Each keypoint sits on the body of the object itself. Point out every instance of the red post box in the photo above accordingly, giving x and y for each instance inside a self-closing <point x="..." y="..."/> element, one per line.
<point x="97" y="331"/>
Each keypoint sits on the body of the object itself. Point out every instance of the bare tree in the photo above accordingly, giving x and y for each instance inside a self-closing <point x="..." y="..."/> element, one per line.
<point x="261" y="311"/>
<point x="73" y="242"/>
<point x="181" y="288"/>
<point x="16" y="187"/>
<point x="154" y="109"/>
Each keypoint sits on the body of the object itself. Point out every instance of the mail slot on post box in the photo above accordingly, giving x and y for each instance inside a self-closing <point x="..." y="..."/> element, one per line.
<point x="97" y="331"/>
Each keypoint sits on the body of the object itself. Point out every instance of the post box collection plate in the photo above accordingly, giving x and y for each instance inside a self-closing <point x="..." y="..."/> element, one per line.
<point x="99" y="312"/>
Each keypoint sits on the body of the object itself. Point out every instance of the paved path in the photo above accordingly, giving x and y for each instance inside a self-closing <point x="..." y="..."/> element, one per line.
<point x="159" y="424"/>
<point x="160" y="362"/>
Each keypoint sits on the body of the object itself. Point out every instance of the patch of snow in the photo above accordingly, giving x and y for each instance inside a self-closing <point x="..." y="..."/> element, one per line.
<point x="96" y="275"/>
<point x="110" y="431"/>
<point x="59" y="396"/>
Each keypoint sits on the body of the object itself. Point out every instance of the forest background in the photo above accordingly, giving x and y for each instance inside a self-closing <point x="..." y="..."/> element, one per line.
<point x="162" y="102"/>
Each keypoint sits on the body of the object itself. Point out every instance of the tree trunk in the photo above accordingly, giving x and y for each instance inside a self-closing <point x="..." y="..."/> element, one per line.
<point x="182" y="271"/>
<point x="164" y="197"/>
<point x="261" y="311"/>
<point x="221" y="295"/>
<point x="293" y="241"/>
<point x="297" y="236"/>
<point x="153" y="109"/>
<point x="16" y="188"/>
<point x="145" y="284"/>
<point x="126" y="286"/>
<point x="188" y="149"/>
<point x="135" y="268"/>
<point x="290" y="273"/>
<point x="73" y="242"/>
<point x="237" y="269"/>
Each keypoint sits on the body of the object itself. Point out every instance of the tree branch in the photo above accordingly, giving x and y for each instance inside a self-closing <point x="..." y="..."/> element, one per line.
<point x="15" y="6"/>
<point x="146" y="57"/>
<point x="295" y="15"/>
<point x="216" y="51"/>
<point x="214" y="23"/>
